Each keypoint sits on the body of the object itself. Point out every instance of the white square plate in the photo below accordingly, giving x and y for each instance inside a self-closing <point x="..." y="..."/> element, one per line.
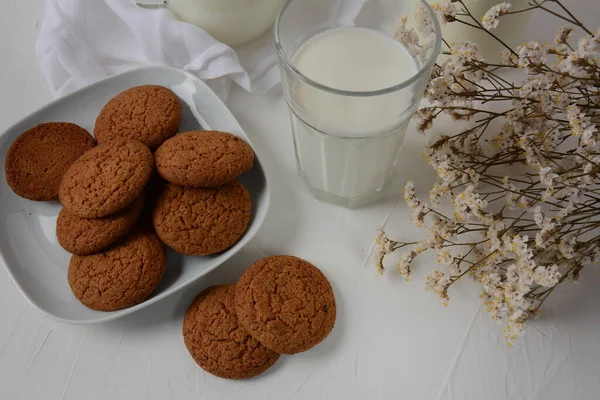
<point x="28" y="245"/>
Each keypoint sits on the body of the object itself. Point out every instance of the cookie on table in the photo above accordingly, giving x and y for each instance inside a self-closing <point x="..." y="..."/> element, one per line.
<point x="196" y="221"/>
<point x="217" y="342"/>
<point x="37" y="160"/>
<point x="120" y="277"/>
<point x="106" y="179"/>
<point x="84" y="236"/>
<point x="149" y="113"/>
<point x="203" y="158"/>
<point x="286" y="303"/>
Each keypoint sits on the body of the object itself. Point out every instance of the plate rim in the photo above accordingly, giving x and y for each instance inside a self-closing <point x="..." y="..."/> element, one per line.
<point x="248" y="235"/>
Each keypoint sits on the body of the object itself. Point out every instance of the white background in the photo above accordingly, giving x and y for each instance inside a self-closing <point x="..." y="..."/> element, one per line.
<point x="392" y="339"/>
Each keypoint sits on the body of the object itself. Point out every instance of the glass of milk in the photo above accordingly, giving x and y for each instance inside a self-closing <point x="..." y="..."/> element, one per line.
<point x="351" y="88"/>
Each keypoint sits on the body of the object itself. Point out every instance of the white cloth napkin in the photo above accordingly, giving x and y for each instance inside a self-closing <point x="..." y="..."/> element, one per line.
<point x="83" y="41"/>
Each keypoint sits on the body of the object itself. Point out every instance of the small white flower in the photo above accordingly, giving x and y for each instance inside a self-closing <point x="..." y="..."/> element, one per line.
<point x="492" y="283"/>
<point x="566" y="247"/>
<point x="514" y="326"/>
<point x="576" y="62"/>
<point x="531" y="55"/>
<point x="445" y="10"/>
<point x="483" y="216"/>
<point x="471" y="176"/>
<point x="547" y="177"/>
<point x="409" y="195"/>
<point x="511" y="274"/>
<point x="383" y="246"/>
<point x="439" y="89"/>
<point x="444" y="257"/>
<point x="418" y="215"/>
<point x="456" y="266"/>
<point x="581" y="125"/>
<point x="424" y="24"/>
<point x="493" y="235"/>
<point x="562" y="101"/>
<point x="426" y="116"/>
<point x="531" y="153"/>
<point x="460" y="76"/>
<point x="525" y="277"/>
<point x="467" y="202"/>
<point x="445" y="172"/>
<point x="464" y="51"/>
<point x="438" y="282"/>
<point x="511" y="197"/>
<point x="546" y="276"/>
<point x="508" y="58"/>
<point x="547" y="234"/>
<point x="548" y="195"/>
<point x="588" y="46"/>
<point x="442" y="229"/>
<point x="404" y="262"/>
<point x="377" y="258"/>
<point x="526" y="203"/>
<point x="491" y="18"/>
<point x="563" y="35"/>
<point x="515" y="292"/>
<point x="517" y="244"/>
<point x="538" y="217"/>
<point x="407" y="36"/>
<point x="439" y="191"/>
<point x="535" y="86"/>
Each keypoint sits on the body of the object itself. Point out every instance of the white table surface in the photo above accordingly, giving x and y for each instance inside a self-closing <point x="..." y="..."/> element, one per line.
<point x="392" y="340"/>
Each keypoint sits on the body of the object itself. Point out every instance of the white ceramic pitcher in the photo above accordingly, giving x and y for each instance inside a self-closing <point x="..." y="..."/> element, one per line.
<point x="232" y="22"/>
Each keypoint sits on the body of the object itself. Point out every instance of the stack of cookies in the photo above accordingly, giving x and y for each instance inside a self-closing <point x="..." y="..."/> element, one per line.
<point x="203" y="209"/>
<point x="112" y="195"/>
<point x="117" y="261"/>
<point x="280" y="305"/>
<point x="112" y="266"/>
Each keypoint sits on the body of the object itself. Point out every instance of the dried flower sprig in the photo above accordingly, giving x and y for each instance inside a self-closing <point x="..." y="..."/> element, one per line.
<point x="526" y="196"/>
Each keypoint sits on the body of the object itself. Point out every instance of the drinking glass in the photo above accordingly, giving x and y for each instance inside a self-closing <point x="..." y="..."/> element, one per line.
<point x="347" y="141"/>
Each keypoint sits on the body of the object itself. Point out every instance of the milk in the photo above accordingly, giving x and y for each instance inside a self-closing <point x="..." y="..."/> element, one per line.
<point x="347" y="145"/>
<point x="229" y="21"/>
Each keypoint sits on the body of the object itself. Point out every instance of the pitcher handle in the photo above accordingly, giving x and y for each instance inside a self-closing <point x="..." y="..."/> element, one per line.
<point x="151" y="3"/>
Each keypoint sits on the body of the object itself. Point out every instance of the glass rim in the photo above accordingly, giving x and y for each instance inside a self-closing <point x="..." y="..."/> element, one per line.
<point x="363" y="93"/>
